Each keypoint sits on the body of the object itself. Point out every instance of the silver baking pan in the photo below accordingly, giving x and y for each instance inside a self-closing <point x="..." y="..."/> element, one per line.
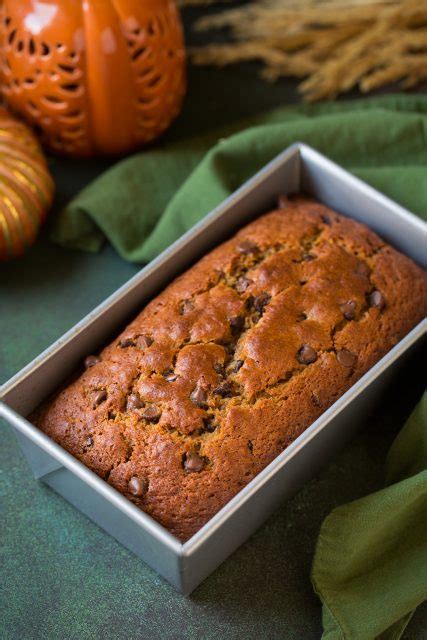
<point x="298" y="168"/>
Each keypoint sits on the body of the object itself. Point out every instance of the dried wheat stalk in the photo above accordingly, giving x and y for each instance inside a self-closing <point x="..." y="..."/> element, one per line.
<point x="334" y="44"/>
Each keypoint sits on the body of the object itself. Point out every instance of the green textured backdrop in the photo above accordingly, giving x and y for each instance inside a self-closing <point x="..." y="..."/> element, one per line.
<point x="61" y="576"/>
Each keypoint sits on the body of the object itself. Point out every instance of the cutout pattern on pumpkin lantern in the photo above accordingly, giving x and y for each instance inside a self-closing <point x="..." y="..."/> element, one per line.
<point x="94" y="80"/>
<point x="155" y="63"/>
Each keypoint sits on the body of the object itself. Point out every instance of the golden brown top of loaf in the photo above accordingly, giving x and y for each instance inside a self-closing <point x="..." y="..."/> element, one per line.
<point x="240" y="354"/>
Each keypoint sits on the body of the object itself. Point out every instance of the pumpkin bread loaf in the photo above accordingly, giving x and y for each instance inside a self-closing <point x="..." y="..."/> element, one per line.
<point x="235" y="359"/>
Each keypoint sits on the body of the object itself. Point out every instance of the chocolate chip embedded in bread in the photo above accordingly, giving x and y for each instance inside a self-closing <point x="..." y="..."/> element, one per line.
<point x="261" y="301"/>
<point x="91" y="361"/>
<point x="306" y="355"/>
<point x="170" y="376"/>
<point x="152" y="414"/>
<point x="224" y="390"/>
<point x="346" y="358"/>
<point x="144" y="341"/>
<point x="134" y="402"/>
<point x="376" y="299"/>
<point x="243" y="283"/>
<point x="209" y="425"/>
<point x="138" y="486"/>
<point x="236" y="366"/>
<point x="199" y="396"/>
<point x="325" y="219"/>
<point x="307" y="257"/>
<point x="99" y="398"/>
<point x="316" y="400"/>
<point x="348" y="309"/>
<point x="186" y="306"/>
<point x="249" y="302"/>
<point x="237" y="324"/>
<point x="127" y="342"/>
<point x="219" y="368"/>
<point x="247" y="247"/>
<point x="193" y="462"/>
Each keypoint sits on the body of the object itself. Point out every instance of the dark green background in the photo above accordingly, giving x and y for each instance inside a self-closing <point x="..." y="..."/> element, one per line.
<point x="61" y="576"/>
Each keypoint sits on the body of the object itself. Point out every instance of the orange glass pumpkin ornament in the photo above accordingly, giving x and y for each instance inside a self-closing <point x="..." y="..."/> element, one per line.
<point x="96" y="76"/>
<point x="26" y="187"/>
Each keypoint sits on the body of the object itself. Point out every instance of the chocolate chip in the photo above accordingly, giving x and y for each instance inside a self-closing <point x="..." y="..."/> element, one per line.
<point x="301" y="317"/>
<point x="199" y="396"/>
<point x="91" y="361"/>
<point x="138" y="487"/>
<point x="362" y="269"/>
<point x="237" y="324"/>
<point x="243" y="283"/>
<point x="376" y="299"/>
<point x="261" y="301"/>
<point x="134" y="402"/>
<point x="247" y="246"/>
<point x="170" y="376"/>
<point x="224" y="390"/>
<point x="193" y="462"/>
<point x="209" y="425"/>
<point x="249" y="302"/>
<point x="237" y="366"/>
<point x="346" y="358"/>
<point x="152" y="413"/>
<point x="316" y="400"/>
<point x="307" y="257"/>
<point x="219" y="368"/>
<point x="326" y="219"/>
<point x="186" y="306"/>
<point x="89" y="442"/>
<point x="306" y="355"/>
<point x="127" y="342"/>
<point x="283" y="202"/>
<point x="99" y="397"/>
<point x="250" y="446"/>
<point x="144" y="342"/>
<point x="348" y="309"/>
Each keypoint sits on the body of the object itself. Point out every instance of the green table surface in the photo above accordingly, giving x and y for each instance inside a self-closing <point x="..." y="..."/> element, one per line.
<point x="63" y="577"/>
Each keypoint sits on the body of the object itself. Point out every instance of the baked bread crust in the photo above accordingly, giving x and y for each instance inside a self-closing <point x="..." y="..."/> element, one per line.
<point x="235" y="359"/>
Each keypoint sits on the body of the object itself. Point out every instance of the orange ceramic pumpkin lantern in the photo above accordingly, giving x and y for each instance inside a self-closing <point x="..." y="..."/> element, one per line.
<point x="95" y="76"/>
<point x="26" y="187"/>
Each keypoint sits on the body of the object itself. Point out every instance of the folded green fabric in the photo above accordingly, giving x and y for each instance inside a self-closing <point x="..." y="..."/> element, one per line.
<point x="382" y="140"/>
<point x="370" y="565"/>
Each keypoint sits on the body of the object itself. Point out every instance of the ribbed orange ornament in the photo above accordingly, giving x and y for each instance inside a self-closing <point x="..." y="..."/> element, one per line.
<point x="96" y="76"/>
<point x="26" y="187"/>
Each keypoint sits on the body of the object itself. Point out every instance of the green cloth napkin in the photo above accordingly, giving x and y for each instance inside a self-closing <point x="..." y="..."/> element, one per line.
<point x="382" y="140"/>
<point x="370" y="565"/>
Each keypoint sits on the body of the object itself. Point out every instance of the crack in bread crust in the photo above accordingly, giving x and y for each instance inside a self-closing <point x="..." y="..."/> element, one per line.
<point x="226" y="367"/>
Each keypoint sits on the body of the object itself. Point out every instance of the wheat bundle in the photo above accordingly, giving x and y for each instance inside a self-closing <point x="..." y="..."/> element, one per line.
<point x="334" y="45"/>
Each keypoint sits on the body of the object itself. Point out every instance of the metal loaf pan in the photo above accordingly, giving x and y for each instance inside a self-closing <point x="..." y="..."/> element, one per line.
<point x="298" y="168"/>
